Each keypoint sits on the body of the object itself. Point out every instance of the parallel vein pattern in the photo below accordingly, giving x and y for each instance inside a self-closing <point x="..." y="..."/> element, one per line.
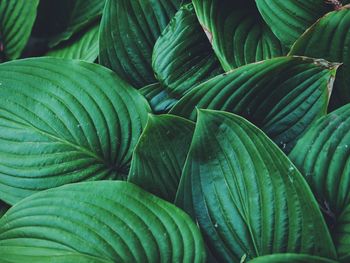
<point x="57" y="127"/>
<point x="112" y="221"/>
<point x="247" y="196"/>
<point x="128" y="33"/>
<point x="283" y="96"/>
<point x="237" y="32"/>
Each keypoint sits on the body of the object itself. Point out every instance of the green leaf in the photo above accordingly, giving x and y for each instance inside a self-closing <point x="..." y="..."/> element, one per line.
<point x="323" y="157"/>
<point x="81" y="14"/>
<point x="291" y="258"/>
<point x="115" y="221"/>
<point x="64" y="121"/>
<point x="248" y="198"/>
<point x="160" y="155"/>
<point x="129" y="30"/>
<point x="83" y="46"/>
<point x="283" y="96"/>
<point x="19" y="254"/>
<point x="288" y="19"/>
<point x="237" y="32"/>
<point x="182" y="55"/>
<point x="159" y="99"/>
<point x="16" y="22"/>
<point x="328" y="39"/>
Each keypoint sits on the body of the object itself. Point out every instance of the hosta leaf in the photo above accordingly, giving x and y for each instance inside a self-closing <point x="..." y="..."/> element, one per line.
<point x="283" y="96"/>
<point x="341" y="235"/>
<point x="237" y="32"/>
<point x="18" y="254"/>
<point x="16" y="22"/>
<point x="288" y="19"/>
<point x="128" y="33"/>
<point x="160" y="155"/>
<point x="323" y="156"/>
<point x="114" y="221"/>
<point x="81" y="14"/>
<point x="291" y="258"/>
<point x="159" y="99"/>
<point x="64" y="121"/>
<point x="328" y="39"/>
<point x="84" y="46"/>
<point x="182" y="56"/>
<point x="247" y="196"/>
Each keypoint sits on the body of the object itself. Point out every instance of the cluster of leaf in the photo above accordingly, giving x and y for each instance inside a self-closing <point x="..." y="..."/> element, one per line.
<point x="174" y="131"/>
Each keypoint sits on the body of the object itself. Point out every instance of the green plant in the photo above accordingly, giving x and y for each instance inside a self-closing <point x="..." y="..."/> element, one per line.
<point x="174" y="131"/>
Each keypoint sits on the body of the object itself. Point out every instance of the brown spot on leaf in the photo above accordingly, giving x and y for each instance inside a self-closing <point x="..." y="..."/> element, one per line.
<point x="208" y="33"/>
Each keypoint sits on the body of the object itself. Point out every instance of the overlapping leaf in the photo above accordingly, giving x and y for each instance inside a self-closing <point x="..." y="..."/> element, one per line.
<point x="16" y="22"/>
<point x="64" y="121"/>
<point x="289" y="258"/>
<point x="111" y="221"/>
<point x="83" y="46"/>
<point x="248" y="198"/>
<point x="283" y="96"/>
<point x="288" y="19"/>
<point x="160" y="155"/>
<point x="328" y="39"/>
<point x="237" y="32"/>
<point x="129" y="31"/>
<point x="323" y="156"/>
<point x="159" y="99"/>
<point x="182" y="56"/>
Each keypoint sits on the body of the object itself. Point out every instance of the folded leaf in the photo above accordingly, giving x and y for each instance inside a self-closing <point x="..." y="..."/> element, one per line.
<point x="83" y="46"/>
<point x="248" y="198"/>
<point x="182" y="55"/>
<point x="160" y="155"/>
<point x="64" y="121"/>
<point x="323" y="157"/>
<point x="283" y="96"/>
<point x="237" y="32"/>
<point x="328" y="39"/>
<point x="129" y="30"/>
<point x="16" y="22"/>
<point x="159" y="99"/>
<point x="112" y="221"/>
<point x="288" y="19"/>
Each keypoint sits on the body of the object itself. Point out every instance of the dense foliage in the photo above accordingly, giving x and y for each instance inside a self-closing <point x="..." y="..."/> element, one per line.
<point x="174" y="131"/>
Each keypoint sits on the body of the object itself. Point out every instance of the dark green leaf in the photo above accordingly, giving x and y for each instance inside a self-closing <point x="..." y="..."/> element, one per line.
<point x="182" y="56"/>
<point x="128" y="33"/>
<point x="16" y="22"/>
<point x="237" y="32"/>
<point x="160" y="155"/>
<point x="328" y="39"/>
<point x="248" y="198"/>
<point x="64" y="121"/>
<point x="112" y="221"/>
<point x="282" y="96"/>
<point x="291" y="258"/>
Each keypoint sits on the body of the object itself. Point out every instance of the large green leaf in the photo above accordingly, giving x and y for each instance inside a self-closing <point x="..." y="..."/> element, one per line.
<point x="182" y="55"/>
<point x="159" y="99"/>
<point x="81" y="13"/>
<point x="128" y="33"/>
<point x="114" y="221"/>
<point x="288" y="19"/>
<point x="323" y="156"/>
<point x="248" y="198"/>
<point x="63" y="121"/>
<point x="283" y="96"/>
<point x="237" y="32"/>
<point x="328" y="39"/>
<point x="160" y="155"/>
<point x="19" y="254"/>
<point x="16" y="22"/>
<point x="291" y="258"/>
<point x="83" y="46"/>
